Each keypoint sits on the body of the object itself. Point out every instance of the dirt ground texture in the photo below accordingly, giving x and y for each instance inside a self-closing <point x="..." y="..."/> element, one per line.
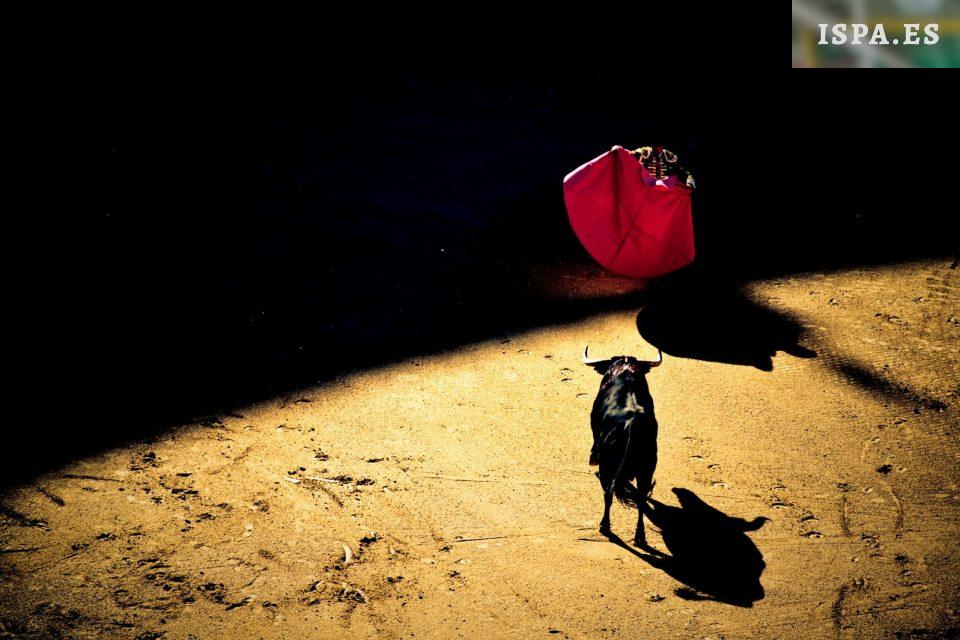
<point x="449" y="496"/>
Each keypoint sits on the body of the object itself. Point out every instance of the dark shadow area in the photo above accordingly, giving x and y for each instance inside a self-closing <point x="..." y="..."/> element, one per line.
<point x="710" y="552"/>
<point x="709" y="317"/>
<point x="251" y="226"/>
<point x="878" y="382"/>
<point x="693" y="315"/>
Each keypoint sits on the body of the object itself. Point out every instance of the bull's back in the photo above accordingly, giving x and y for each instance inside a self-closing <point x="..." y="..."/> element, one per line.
<point x="624" y="426"/>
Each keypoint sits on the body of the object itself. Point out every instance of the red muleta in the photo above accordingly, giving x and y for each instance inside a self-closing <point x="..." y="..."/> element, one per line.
<point x="632" y="223"/>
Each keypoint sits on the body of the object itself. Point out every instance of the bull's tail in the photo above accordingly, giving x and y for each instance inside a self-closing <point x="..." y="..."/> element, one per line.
<point x="626" y="493"/>
<point x="630" y="495"/>
<point x="620" y="485"/>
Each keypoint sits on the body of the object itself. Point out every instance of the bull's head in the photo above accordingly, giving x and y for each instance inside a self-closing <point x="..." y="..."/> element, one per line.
<point x="603" y="365"/>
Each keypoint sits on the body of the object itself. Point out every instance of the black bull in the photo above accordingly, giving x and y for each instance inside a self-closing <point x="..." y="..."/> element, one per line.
<point x="624" y="436"/>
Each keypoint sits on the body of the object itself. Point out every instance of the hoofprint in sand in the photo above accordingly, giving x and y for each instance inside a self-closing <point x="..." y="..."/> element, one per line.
<point x="449" y="496"/>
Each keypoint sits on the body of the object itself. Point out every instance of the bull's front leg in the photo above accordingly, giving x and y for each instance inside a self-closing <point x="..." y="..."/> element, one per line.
<point x="594" y="450"/>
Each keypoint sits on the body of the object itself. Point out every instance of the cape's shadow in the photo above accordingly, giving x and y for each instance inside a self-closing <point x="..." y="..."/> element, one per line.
<point x="706" y="318"/>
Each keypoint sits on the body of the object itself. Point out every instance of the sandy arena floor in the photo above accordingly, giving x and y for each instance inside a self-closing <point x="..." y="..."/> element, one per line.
<point x="449" y="496"/>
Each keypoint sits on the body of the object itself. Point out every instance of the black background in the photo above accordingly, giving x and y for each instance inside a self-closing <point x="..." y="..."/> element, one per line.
<point x="254" y="209"/>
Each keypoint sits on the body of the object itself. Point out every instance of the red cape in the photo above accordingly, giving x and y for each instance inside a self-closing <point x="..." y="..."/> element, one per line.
<point x="631" y="223"/>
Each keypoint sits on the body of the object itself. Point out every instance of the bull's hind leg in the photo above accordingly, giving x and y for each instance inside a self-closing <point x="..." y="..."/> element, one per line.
<point x="644" y="487"/>
<point x="605" y="521"/>
<point x="640" y="537"/>
<point x="607" y="501"/>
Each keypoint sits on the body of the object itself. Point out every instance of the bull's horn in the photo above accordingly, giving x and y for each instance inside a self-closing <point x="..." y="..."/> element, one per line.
<point x="655" y="363"/>
<point x="588" y="360"/>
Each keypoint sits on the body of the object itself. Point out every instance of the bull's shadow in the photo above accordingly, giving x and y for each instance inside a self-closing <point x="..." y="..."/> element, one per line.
<point x="695" y="316"/>
<point x="710" y="552"/>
